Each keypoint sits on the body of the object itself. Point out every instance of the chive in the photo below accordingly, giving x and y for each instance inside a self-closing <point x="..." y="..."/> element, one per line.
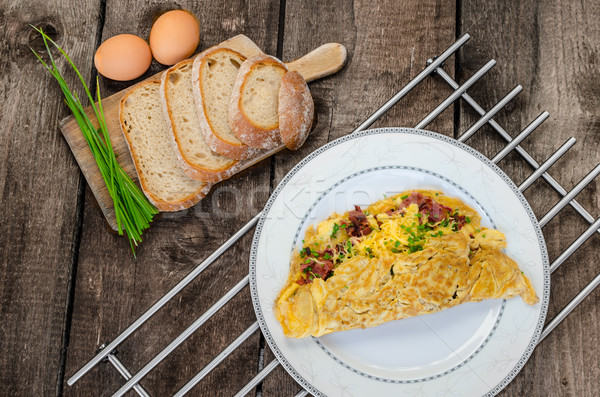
<point x="403" y="197"/>
<point x="336" y="227"/>
<point x="133" y="211"/>
<point x="467" y="219"/>
<point x="397" y="244"/>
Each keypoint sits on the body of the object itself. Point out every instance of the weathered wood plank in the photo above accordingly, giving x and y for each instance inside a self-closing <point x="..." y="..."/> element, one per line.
<point x="551" y="48"/>
<point x="113" y="289"/>
<point x="40" y="182"/>
<point x="388" y="44"/>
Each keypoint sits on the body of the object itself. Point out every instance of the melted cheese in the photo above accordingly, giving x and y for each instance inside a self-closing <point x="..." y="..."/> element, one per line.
<point x="381" y="276"/>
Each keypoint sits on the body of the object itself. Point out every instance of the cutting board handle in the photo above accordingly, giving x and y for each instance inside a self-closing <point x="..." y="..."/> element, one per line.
<point x="320" y="62"/>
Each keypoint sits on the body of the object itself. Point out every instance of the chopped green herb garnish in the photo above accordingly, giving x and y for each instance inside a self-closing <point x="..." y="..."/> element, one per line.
<point x="403" y="197"/>
<point x="336" y="227"/>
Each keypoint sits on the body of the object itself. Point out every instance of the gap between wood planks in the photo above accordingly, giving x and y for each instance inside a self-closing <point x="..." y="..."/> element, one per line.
<point x="66" y="334"/>
<point x="65" y="339"/>
<point x="279" y="55"/>
<point x="457" y="70"/>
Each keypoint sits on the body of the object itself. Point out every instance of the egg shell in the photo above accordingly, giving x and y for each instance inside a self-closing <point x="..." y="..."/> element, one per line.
<point x="174" y="36"/>
<point x="123" y="57"/>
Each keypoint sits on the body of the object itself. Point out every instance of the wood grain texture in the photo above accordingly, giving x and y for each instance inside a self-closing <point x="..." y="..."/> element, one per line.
<point x="385" y="50"/>
<point x="321" y="62"/>
<point x="551" y="48"/>
<point x="39" y="181"/>
<point x="113" y="289"/>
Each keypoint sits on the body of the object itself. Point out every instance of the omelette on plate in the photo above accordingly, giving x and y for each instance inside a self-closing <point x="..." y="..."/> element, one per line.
<point x="415" y="253"/>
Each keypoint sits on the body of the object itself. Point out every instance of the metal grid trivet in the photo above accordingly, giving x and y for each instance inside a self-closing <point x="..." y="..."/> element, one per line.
<point x="434" y="67"/>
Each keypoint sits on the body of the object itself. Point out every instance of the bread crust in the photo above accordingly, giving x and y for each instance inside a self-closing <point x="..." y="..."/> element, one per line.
<point x="161" y="205"/>
<point x="248" y="132"/>
<point x="193" y="171"/>
<point x="232" y="150"/>
<point x="296" y="110"/>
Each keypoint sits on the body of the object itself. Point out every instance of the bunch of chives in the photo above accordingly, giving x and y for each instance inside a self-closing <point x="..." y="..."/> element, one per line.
<point x="133" y="211"/>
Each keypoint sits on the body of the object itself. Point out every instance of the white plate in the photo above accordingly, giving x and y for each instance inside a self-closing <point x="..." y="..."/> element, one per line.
<point x="472" y="349"/>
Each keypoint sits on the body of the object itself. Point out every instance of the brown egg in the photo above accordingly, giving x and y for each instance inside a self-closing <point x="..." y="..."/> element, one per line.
<point x="174" y="37"/>
<point x="123" y="57"/>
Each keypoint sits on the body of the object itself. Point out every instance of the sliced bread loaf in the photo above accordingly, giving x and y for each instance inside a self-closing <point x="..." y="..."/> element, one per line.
<point x="253" y="109"/>
<point x="213" y="74"/>
<point x="198" y="160"/>
<point x="156" y="162"/>
<point x="296" y="110"/>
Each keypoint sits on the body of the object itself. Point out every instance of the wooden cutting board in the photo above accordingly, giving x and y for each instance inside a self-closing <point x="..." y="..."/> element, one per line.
<point x="321" y="62"/>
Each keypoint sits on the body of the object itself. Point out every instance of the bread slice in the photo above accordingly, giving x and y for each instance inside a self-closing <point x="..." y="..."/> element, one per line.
<point x="296" y="110"/>
<point x="254" y="102"/>
<point x="156" y="162"/>
<point x="198" y="160"/>
<point x="213" y="75"/>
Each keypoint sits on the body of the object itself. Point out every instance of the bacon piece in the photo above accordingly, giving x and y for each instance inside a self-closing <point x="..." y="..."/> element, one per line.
<point x="460" y="221"/>
<point x="323" y="269"/>
<point x="360" y="224"/>
<point x="414" y="198"/>
<point x="430" y="209"/>
<point x="306" y="264"/>
<point x="434" y="211"/>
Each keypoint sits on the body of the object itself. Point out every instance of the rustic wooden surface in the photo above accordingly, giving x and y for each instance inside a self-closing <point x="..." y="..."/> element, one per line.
<point x="67" y="285"/>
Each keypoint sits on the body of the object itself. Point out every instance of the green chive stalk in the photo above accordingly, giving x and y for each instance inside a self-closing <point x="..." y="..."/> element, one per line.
<point x="133" y="211"/>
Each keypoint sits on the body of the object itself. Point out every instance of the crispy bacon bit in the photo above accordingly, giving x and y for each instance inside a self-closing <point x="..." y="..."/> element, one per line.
<point x="434" y="211"/>
<point x="323" y="269"/>
<point x="360" y="224"/>
<point x="306" y="264"/>
<point x="460" y="220"/>
<point x="318" y="267"/>
<point x="414" y="198"/>
<point x="307" y="251"/>
<point x="431" y="210"/>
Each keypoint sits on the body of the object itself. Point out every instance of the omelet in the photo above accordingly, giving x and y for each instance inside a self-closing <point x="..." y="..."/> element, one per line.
<point x="411" y="254"/>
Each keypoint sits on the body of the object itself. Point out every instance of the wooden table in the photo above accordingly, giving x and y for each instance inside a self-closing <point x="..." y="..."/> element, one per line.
<point x="67" y="285"/>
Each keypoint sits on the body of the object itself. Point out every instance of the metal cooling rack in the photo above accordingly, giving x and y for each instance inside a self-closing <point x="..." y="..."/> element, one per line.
<point x="434" y="67"/>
